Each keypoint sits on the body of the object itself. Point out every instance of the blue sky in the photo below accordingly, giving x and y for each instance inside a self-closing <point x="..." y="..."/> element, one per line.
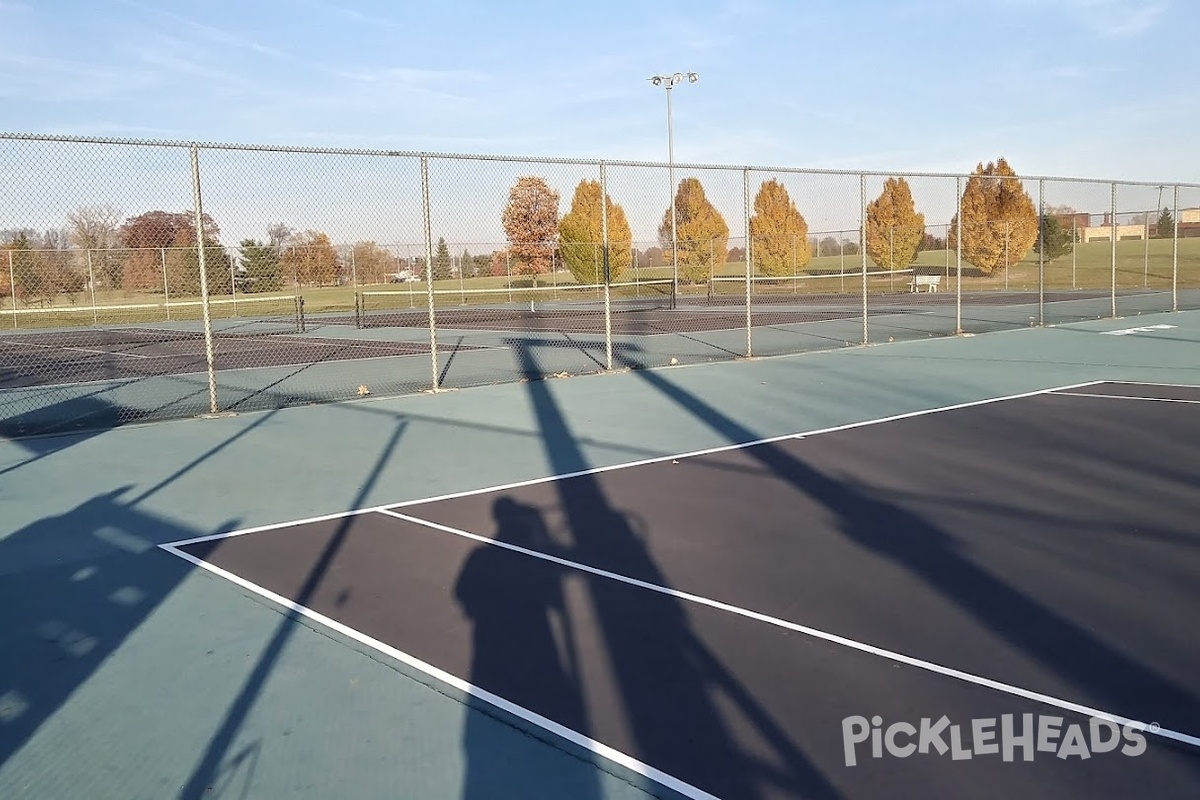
<point x="1095" y="88"/>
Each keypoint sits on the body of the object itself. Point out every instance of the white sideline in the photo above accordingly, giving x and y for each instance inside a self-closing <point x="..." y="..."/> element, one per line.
<point x="628" y="464"/>
<point x="816" y="633"/>
<point x="587" y="743"/>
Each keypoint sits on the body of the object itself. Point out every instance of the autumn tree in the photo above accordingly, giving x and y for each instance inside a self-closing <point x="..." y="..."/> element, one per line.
<point x="94" y="229"/>
<point x="778" y="232"/>
<point x="702" y="233"/>
<point x="531" y="224"/>
<point x="164" y="241"/>
<point x="372" y="263"/>
<point x="895" y="230"/>
<point x="581" y="236"/>
<point x="999" y="221"/>
<point x="311" y="259"/>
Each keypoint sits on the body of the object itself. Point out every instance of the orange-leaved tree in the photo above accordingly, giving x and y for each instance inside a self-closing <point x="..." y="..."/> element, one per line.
<point x="778" y="232"/>
<point x="581" y="236"/>
<point x="531" y="224"/>
<point x="702" y="232"/>
<point x="895" y="230"/>
<point x="999" y="221"/>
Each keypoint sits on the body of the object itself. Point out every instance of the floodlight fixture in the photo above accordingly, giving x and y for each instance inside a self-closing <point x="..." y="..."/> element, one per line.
<point x="668" y="82"/>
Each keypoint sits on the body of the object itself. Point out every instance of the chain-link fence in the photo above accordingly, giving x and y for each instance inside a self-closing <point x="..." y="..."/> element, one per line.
<point x="148" y="280"/>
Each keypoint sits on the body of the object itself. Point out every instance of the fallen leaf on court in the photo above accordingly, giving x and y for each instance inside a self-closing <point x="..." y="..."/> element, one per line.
<point x="363" y="390"/>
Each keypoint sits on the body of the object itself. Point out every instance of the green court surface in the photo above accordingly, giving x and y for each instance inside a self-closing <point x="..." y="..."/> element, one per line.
<point x="126" y="672"/>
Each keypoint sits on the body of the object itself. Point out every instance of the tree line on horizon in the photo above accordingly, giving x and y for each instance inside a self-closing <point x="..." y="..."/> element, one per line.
<point x="157" y="250"/>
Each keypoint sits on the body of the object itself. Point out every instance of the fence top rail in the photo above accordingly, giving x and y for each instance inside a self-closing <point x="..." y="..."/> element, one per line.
<point x="679" y="165"/>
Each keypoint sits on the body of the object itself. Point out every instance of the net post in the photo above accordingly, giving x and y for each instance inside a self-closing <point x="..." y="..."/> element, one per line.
<point x="301" y="320"/>
<point x="1041" y="253"/>
<point x="749" y="261"/>
<point x="862" y="250"/>
<point x="198" y="222"/>
<point x="358" y="309"/>
<point x="426" y="218"/>
<point x="607" y="268"/>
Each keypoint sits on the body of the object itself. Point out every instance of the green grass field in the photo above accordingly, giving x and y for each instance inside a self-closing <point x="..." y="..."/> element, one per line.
<point x="1138" y="265"/>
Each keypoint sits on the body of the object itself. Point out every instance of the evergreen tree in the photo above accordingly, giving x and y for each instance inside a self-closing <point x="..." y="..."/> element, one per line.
<point x="1057" y="241"/>
<point x="441" y="260"/>
<point x="261" y="264"/>
<point x="1165" y="228"/>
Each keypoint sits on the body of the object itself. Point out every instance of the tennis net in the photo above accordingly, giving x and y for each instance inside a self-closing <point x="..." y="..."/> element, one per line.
<point x="409" y="308"/>
<point x="242" y="316"/>
<point x="783" y="288"/>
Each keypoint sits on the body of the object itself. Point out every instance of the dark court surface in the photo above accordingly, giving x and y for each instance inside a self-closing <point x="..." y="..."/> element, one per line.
<point x="1048" y="543"/>
<point x="52" y="358"/>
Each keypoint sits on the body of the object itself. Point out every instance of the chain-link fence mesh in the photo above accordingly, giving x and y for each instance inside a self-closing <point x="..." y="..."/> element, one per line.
<point x="154" y="280"/>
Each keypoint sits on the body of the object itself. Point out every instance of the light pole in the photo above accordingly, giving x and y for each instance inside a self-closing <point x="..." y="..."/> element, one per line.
<point x="668" y="82"/>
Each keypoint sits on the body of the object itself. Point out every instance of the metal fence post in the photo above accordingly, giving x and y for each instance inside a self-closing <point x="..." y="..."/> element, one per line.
<point x="198" y="216"/>
<point x="12" y="288"/>
<point x="1074" y="247"/>
<point x="427" y="220"/>
<point x="1041" y="253"/>
<point x="92" y="286"/>
<point x="607" y="268"/>
<point x="862" y="250"/>
<point x="958" y="328"/>
<point x="749" y="258"/>
<point x="162" y="259"/>
<point x="1146" y="250"/>
<point x="1112" y="225"/>
<point x="1175" y="254"/>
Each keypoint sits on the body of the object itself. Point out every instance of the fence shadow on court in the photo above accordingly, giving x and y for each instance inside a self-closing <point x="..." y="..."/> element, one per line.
<point x="73" y="588"/>
<point x="1078" y="656"/>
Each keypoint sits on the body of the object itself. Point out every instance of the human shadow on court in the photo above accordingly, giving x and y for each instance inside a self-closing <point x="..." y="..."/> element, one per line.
<point x="655" y="690"/>
<point x="522" y="646"/>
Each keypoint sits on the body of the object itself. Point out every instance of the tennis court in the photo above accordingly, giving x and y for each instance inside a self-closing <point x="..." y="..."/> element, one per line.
<point x="62" y="357"/>
<point x="700" y="582"/>
<point x="711" y="619"/>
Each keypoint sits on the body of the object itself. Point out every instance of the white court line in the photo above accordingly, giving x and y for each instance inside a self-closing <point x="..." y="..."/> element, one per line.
<point x="1125" y="397"/>
<point x="576" y="738"/>
<point x="459" y="354"/>
<point x="628" y="464"/>
<point x="76" y="349"/>
<point x="739" y="446"/>
<point x="853" y="644"/>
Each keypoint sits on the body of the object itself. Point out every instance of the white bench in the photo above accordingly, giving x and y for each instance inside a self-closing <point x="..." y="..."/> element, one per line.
<point x="930" y="281"/>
